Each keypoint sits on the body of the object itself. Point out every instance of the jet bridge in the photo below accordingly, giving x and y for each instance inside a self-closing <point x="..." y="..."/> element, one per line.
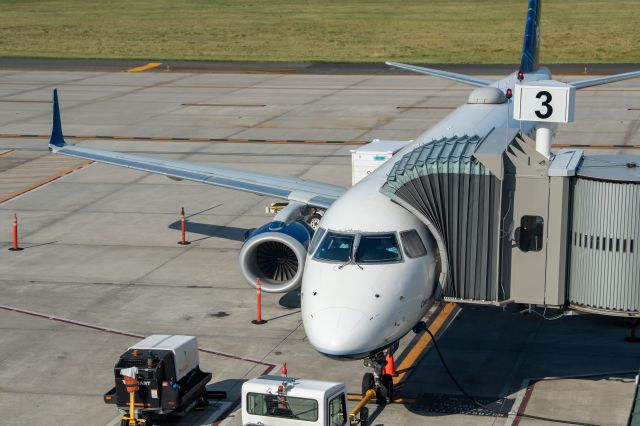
<point x="514" y="226"/>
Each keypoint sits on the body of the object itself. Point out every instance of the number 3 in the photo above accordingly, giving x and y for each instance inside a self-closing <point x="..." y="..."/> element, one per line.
<point x="546" y="104"/>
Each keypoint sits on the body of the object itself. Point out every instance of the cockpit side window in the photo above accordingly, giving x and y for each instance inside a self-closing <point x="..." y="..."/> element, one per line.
<point x="316" y="239"/>
<point x="413" y="245"/>
<point x="378" y="248"/>
<point x="335" y="247"/>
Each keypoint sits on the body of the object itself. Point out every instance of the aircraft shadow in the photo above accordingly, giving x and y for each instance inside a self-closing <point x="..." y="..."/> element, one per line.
<point x="209" y="231"/>
<point x="494" y="354"/>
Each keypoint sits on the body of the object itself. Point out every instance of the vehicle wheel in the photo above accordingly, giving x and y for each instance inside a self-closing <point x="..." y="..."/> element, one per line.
<point x="386" y="388"/>
<point x="314" y="222"/>
<point x="368" y="382"/>
<point x="364" y="416"/>
<point x="124" y="422"/>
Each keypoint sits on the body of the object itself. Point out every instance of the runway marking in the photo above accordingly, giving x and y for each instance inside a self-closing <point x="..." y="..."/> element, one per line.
<point x="460" y="88"/>
<point x="177" y="139"/>
<point x="598" y="146"/>
<point x="448" y="312"/>
<point x="399" y="400"/>
<point x="425" y="107"/>
<point x="233" y="404"/>
<point x="128" y="334"/>
<point x="34" y="174"/>
<point x="146" y="67"/>
<point x="226" y="105"/>
<point x="238" y="86"/>
<point x="24" y="101"/>
<point x="264" y="141"/>
<point x="222" y="70"/>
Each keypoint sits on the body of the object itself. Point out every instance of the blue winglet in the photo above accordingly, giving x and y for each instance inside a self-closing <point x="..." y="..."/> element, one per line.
<point x="531" y="45"/>
<point x="57" y="139"/>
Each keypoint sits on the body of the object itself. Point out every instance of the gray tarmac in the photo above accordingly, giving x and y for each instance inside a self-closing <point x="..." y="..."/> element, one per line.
<point x="101" y="264"/>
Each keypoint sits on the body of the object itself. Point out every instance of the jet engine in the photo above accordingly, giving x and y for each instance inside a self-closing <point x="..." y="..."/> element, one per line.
<point x="275" y="253"/>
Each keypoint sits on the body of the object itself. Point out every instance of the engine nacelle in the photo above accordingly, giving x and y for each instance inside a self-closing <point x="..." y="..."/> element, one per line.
<point x="275" y="253"/>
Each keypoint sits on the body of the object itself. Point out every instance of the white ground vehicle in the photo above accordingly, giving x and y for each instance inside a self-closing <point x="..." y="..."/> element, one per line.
<point x="276" y="400"/>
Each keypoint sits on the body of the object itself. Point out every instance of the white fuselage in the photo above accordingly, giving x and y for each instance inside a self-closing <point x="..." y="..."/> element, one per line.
<point x="352" y="310"/>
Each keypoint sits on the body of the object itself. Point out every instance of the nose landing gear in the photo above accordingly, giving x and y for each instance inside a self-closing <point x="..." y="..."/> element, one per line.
<point x="381" y="379"/>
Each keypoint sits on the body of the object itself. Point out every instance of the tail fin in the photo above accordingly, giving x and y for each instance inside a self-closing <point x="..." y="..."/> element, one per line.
<point x="57" y="139"/>
<point x="531" y="44"/>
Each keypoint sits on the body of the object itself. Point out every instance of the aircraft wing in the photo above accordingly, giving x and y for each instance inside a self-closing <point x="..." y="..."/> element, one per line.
<point x="581" y="84"/>
<point x="312" y="193"/>
<point x="460" y="78"/>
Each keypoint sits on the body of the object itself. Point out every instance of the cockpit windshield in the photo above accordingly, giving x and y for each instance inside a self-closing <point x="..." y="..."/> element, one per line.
<point x="369" y="248"/>
<point x="379" y="248"/>
<point x="335" y="247"/>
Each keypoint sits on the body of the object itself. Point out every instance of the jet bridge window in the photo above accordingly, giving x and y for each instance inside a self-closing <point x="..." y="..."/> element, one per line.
<point x="379" y="248"/>
<point x="529" y="235"/>
<point x="412" y="243"/>
<point x="335" y="247"/>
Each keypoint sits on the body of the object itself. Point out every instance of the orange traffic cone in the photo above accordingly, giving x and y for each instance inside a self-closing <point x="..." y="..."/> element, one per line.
<point x="390" y="368"/>
<point x="284" y="369"/>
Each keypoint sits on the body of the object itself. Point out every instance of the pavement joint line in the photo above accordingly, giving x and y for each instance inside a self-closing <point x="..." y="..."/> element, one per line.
<point x="444" y="317"/>
<point x="145" y="67"/>
<point x="457" y="87"/>
<point x="231" y="86"/>
<point x="185" y="139"/>
<point x="124" y="333"/>
<point x="46" y="180"/>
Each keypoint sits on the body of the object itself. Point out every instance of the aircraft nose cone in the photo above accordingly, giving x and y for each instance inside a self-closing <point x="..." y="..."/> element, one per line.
<point x="338" y="331"/>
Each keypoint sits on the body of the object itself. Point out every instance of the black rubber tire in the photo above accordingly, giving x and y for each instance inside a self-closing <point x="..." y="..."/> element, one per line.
<point x="124" y="422"/>
<point x="314" y="221"/>
<point x="386" y="388"/>
<point x="364" y="416"/>
<point x="368" y="382"/>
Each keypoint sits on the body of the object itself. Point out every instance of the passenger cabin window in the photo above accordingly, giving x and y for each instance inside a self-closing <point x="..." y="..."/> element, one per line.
<point x="285" y="407"/>
<point x="529" y="236"/>
<point x="316" y="239"/>
<point x="381" y="248"/>
<point x="412" y="243"/>
<point x="335" y="247"/>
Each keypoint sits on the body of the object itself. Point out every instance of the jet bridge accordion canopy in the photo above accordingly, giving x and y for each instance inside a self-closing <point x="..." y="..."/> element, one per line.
<point x="458" y="197"/>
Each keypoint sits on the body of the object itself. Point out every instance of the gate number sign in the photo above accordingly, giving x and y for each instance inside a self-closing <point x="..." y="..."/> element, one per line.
<point x="546" y="101"/>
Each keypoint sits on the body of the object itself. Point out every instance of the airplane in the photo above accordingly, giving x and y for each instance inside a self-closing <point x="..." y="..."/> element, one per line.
<point x="371" y="270"/>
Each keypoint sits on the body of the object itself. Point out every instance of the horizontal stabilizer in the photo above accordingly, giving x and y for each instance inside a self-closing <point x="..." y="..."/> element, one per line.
<point x="604" y="80"/>
<point x="460" y="78"/>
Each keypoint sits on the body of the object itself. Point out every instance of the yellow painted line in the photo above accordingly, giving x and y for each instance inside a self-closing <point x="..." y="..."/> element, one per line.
<point x="414" y="355"/>
<point x="358" y="397"/>
<point x="11" y="151"/>
<point x="148" y="66"/>
<point x="45" y="181"/>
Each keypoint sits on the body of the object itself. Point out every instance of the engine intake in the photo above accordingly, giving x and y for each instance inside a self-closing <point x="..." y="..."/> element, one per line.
<point x="275" y="253"/>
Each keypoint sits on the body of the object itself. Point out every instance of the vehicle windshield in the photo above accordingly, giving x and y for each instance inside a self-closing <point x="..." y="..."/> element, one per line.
<point x="380" y="248"/>
<point x="335" y="247"/>
<point x="282" y="406"/>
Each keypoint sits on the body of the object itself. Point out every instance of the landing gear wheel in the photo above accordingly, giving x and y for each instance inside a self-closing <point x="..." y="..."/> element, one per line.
<point x="368" y="382"/>
<point x="314" y="221"/>
<point x="386" y="388"/>
<point x="364" y="416"/>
